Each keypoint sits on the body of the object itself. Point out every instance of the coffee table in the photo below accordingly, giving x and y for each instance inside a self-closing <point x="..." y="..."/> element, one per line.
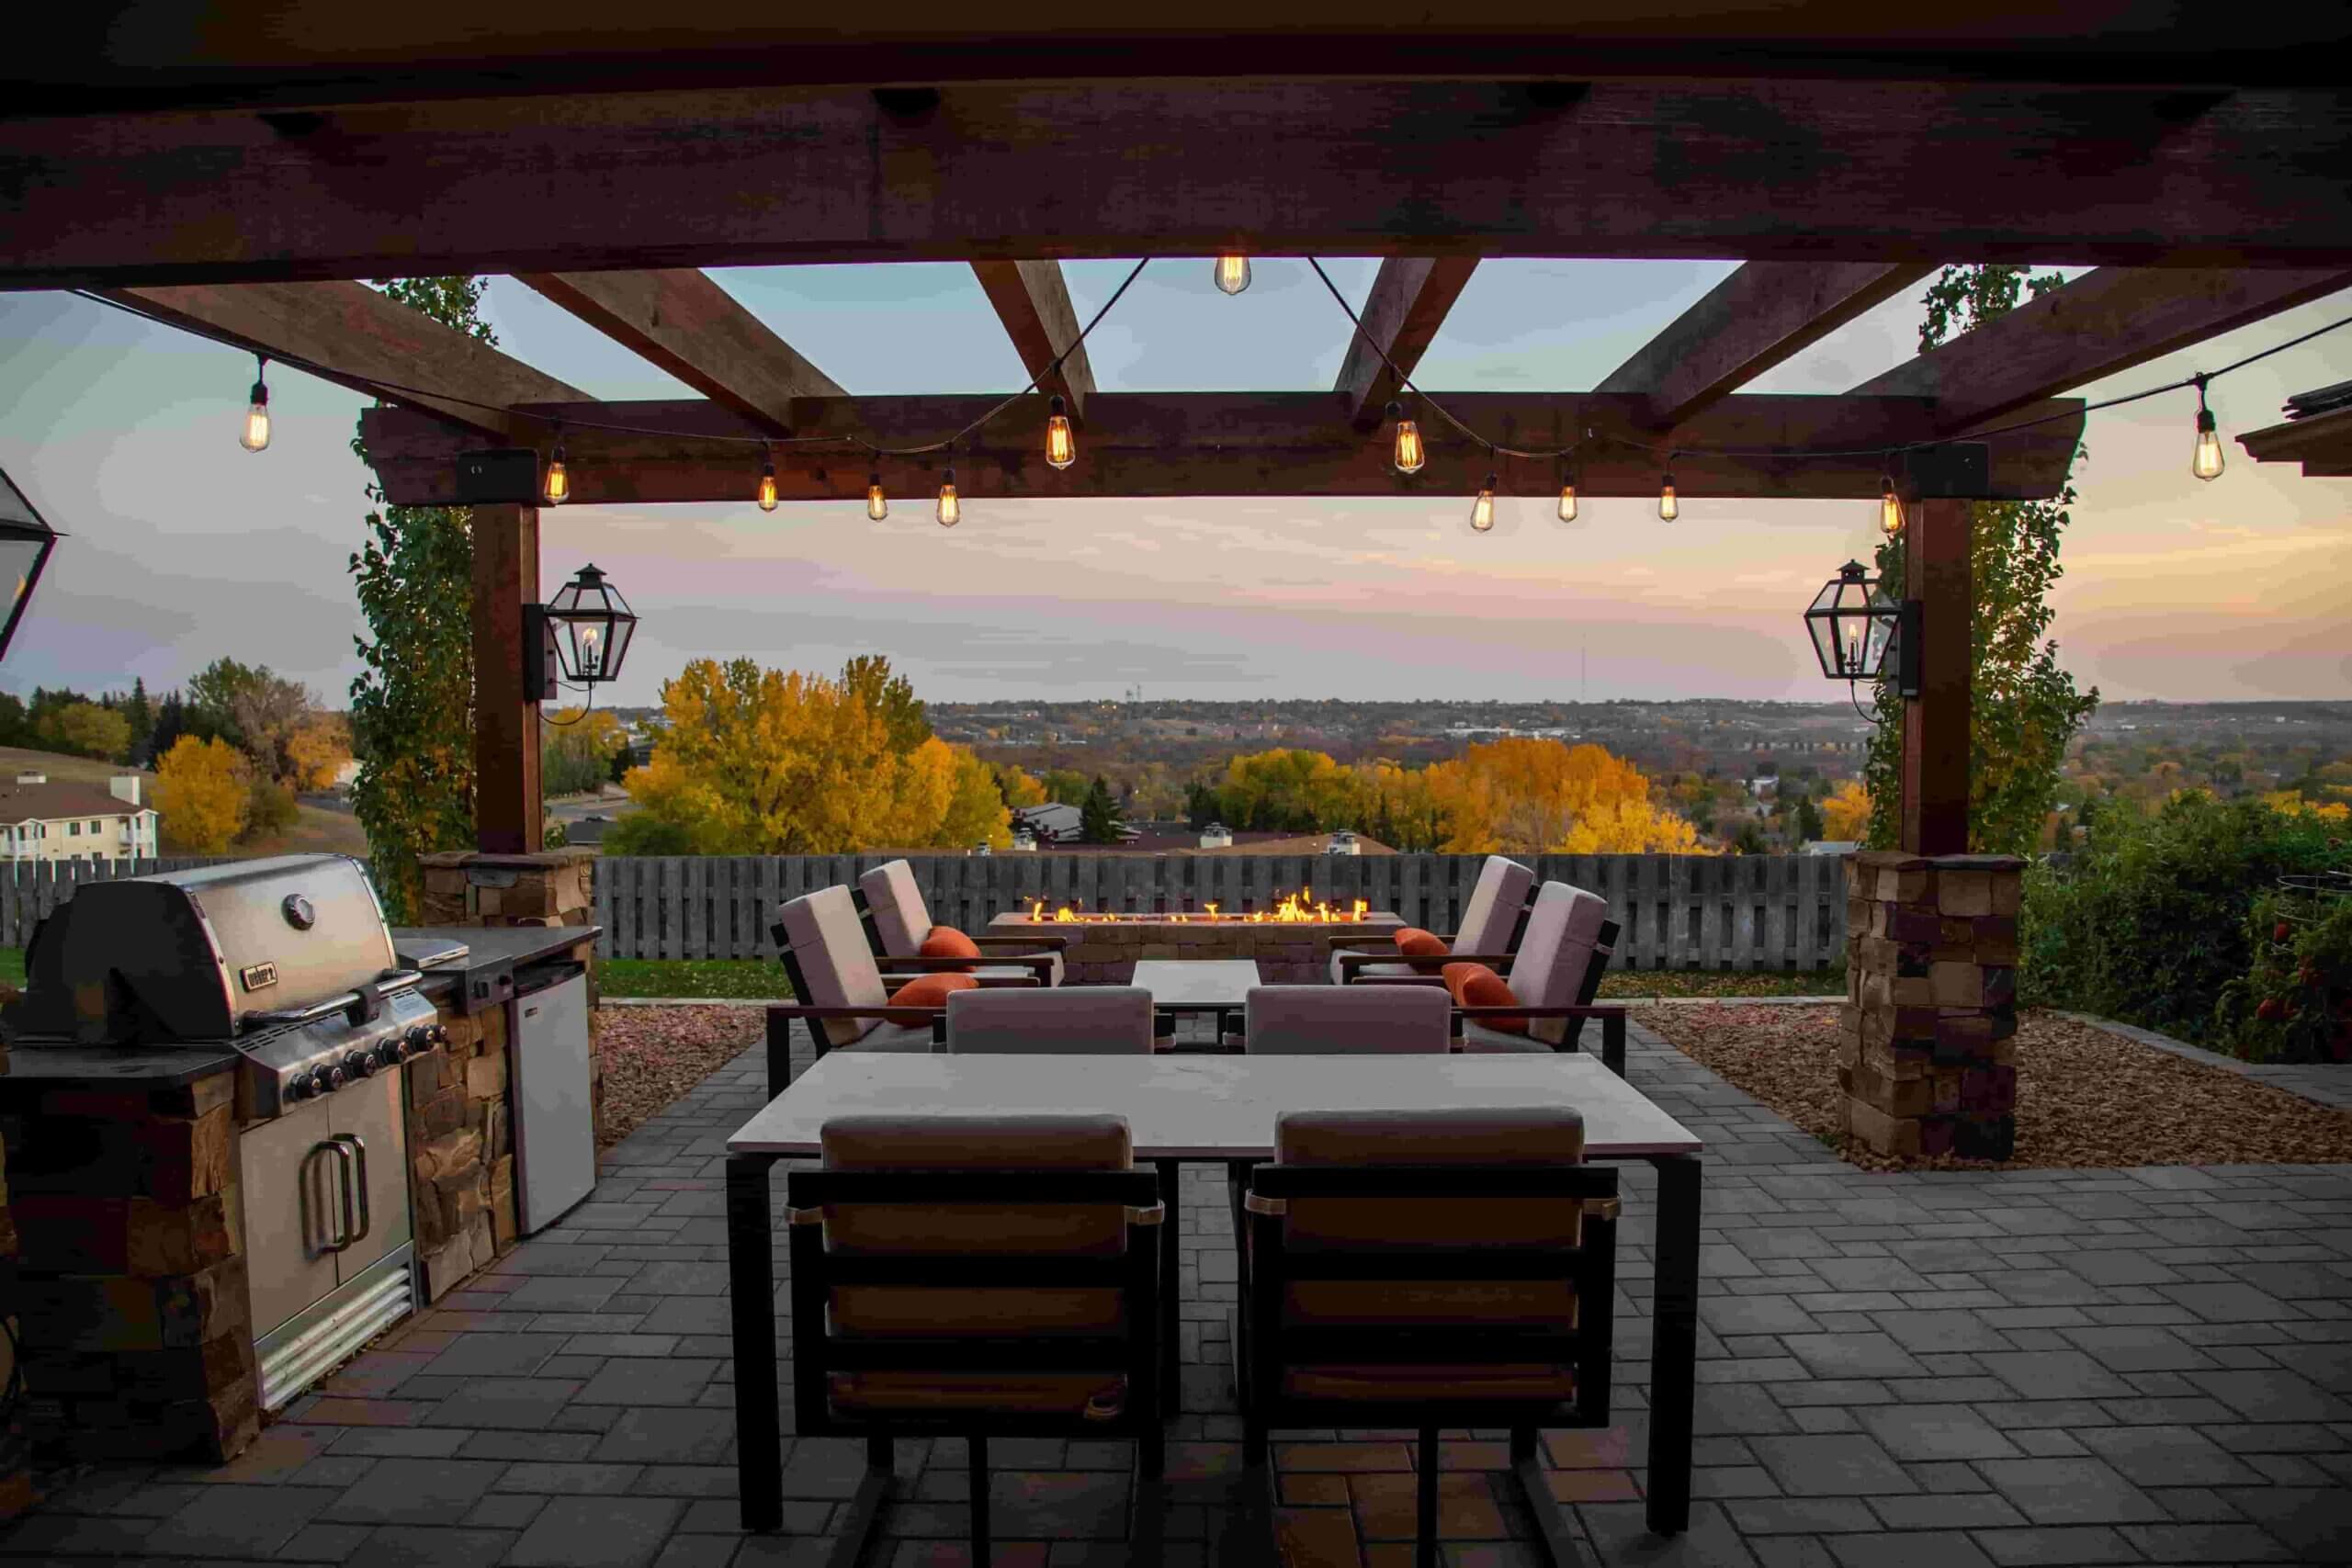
<point x="1179" y="985"/>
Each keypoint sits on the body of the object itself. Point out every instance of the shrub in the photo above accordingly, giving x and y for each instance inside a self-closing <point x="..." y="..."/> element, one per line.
<point x="2295" y="1003"/>
<point x="2149" y="921"/>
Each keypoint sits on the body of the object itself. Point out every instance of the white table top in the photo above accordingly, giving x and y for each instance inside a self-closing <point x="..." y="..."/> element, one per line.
<point x="1197" y="982"/>
<point x="1205" y="1107"/>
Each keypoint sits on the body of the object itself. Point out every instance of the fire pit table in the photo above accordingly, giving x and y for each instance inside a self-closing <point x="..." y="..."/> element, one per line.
<point x="1290" y="944"/>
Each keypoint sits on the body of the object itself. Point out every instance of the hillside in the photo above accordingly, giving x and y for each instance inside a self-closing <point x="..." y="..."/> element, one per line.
<point x="314" y="829"/>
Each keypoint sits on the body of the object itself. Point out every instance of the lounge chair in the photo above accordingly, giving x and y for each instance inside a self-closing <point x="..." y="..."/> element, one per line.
<point x="898" y="924"/>
<point x="1491" y="919"/>
<point x="1541" y="1003"/>
<point x="1428" y="1270"/>
<point x="975" y="1277"/>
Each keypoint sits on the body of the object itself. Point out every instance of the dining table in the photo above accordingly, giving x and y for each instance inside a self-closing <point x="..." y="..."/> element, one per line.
<point x="1216" y="1109"/>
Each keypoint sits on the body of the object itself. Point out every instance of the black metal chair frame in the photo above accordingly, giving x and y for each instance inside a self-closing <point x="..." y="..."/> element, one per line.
<point x="1264" y="1349"/>
<point x="1611" y="1017"/>
<point x="818" y="1353"/>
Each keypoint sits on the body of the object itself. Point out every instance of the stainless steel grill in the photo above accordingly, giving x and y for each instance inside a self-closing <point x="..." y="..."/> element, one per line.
<point x="286" y="960"/>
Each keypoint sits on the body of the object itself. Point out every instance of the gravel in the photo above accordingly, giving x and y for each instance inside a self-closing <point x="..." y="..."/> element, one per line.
<point x="652" y="1055"/>
<point x="2086" y="1097"/>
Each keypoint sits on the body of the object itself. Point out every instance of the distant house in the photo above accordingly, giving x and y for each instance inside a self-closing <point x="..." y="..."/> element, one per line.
<point x="1054" y="826"/>
<point x="45" y="821"/>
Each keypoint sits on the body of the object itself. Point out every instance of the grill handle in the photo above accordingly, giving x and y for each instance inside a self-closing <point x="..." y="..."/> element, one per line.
<point x="344" y="1238"/>
<point x="358" y="1150"/>
<point x="367" y="1000"/>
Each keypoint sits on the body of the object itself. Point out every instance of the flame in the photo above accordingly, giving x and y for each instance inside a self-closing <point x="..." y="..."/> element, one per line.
<point x="1301" y="908"/>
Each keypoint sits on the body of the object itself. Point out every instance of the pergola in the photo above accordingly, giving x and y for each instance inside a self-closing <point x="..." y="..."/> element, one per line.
<point x="237" y="174"/>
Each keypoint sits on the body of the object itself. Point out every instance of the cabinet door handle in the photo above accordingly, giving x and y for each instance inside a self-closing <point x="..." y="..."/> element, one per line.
<point x="355" y="1150"/>
<point x="342" y="1238"/>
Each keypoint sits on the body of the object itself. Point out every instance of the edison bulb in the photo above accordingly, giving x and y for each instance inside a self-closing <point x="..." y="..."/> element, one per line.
<point x="767" y="487"/>
<point x="877" y="505"/>
<point x="1482" y="511"/>
<point x="1890" y="510"/>
<point x="1568" y="502"/>
<point x="559" y="482"/>
<point x="1668" y="508"/>
<point x="1233" y="274"/>
<point x="257" y="432"/>
<point x="951" y="506"/>
<point x="2207" y="463"/>
<point x="1409" y="453"/>
<point x="1061" y="447"/>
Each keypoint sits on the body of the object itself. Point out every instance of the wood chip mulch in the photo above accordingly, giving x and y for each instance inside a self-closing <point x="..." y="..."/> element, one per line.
<point x="2085" y="1097"/>
<point x="652" y="1055"/>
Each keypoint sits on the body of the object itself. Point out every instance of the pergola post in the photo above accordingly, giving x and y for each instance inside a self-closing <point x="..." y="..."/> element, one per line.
<point x="508" y="811"/>
<point x="1936" y="722"/>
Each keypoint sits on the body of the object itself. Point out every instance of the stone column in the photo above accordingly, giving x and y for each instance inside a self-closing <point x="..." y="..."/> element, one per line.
<point x="1927" y="1054"/>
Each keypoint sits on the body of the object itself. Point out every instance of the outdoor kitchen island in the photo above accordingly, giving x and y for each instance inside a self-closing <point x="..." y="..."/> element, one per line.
<point x="217" y="1202"/>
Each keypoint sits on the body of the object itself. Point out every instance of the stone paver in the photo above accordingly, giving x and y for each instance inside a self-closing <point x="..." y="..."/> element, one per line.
<point x="2015" y="1368"/>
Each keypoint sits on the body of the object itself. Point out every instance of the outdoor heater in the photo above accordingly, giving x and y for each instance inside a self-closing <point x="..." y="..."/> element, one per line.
<point x="1854" y="625"/>
<point x="584" y="630"/>
<point x="26" y="542"/>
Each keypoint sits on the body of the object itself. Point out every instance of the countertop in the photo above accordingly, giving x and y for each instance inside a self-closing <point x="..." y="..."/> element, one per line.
<point x="485" y="977"/>
<point x="115" y="1067"/>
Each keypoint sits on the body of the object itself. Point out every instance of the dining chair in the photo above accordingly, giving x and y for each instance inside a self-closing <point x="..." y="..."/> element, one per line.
<point x="976" y="1277"/>
<point x="1071" y="1021"/>
<point x="898" y="925"/>
<point x="1489" y="931"/>
<point x="1429" y="1270"/>
<point x="1302" y="1021"/>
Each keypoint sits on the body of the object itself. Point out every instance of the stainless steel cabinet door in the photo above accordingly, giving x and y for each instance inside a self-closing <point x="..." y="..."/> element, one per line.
<point x="290" y="1184"/>
<point x="365" y="1118"/>
<point x="555" y="1134"/>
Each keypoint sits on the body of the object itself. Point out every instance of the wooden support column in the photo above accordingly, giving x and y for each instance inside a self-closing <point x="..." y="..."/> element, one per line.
<point x="508" y="811"/>
<point x="1936" y="722"/>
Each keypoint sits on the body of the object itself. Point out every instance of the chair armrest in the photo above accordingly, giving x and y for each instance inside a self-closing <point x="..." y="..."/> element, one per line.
<point x="1035" y="943"/>
<point x="1595" y="1011"/>
<point x="907" y="1015"/>
<point x="910" y="966"/>
<point x="1373" y="938"/>
<point x="1428" y="963"/>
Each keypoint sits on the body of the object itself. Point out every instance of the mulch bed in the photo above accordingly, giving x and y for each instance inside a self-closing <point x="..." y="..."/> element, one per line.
<point x="652" y="1055"/>
<point x="2085" y="1097"/>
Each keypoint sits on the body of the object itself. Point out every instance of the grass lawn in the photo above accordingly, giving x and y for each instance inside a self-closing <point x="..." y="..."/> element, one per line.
<point x="759" y="978"/>
<point x="12" y="966"/>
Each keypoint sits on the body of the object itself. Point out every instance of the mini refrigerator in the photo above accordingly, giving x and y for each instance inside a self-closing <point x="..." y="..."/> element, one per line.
<point x="555" y="1129"/>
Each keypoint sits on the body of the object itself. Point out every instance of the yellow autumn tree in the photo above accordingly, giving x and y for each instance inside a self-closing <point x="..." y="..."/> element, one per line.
<point x="1846" y="813"/>
<point x="317" y="747"/>
<point x="976" y="808"/>
<point x="203" y="789"/>
<point x="1017" y="785"/>
<point x="1522" y="795"/>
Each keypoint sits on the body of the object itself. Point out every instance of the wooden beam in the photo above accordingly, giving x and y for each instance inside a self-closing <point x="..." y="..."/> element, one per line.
<point x="509" y="812"/>
<point x="680" y="320"/>
<point x="150" y="54"/>
<point x="1032" y="298"/>
<point x="1763" y="313"/>
<point x="2104" y="322"/>
<point x="1409" y="302"/>
<point x="1178" y="444"/>
<point x="366" y="339"/>
<point x="1859" y="171"/>
<point x="1936" y="722"/>
<point x="2322" y="443"/>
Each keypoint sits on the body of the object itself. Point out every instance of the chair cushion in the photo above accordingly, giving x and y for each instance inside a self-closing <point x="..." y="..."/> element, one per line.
<point x="1476" y="1038"/>
<point x="901" y="919"/>
<point x="1075" y="1020"/>
<point x="1491" y="912"/>
<point x="1003" y="974"/>
<point x="1475" y="986"/>
<point x="946" y="942"/>
<point x="1365" y="972"/>
<point x="1554" y="956"/>
<point x="1339" y="1020"/>
<point x="1415" y="942"/>
<point x="929" y="991"/>
<point x="1090" y="1396"/>
<point x="898" y="1039"/>
<point x="822" y="933"/>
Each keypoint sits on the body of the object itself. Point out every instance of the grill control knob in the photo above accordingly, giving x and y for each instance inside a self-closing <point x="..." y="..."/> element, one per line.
<point x="297" y="1087"/>
<point x="331" y="1078"/>
<point x="360" y="1065"/>
<point x="439" y="1034"/>
<point x="416" y="1042"/>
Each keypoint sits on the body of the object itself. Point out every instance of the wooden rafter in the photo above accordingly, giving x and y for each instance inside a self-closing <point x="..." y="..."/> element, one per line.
<point x="1409" y="298"/>
<point x="682" y="320"/>
<point x="2322" y="443"/>
<point x="1156" y="444"/>
<point x="1032" y="298"/>
<point x="363" y="340"/>
<point x="1763" y="313"/>
<point x="2103" y="322"/>
<point x="1862" y="171"/>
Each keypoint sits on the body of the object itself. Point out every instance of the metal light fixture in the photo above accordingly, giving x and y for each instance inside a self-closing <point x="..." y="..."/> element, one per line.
<point x="26" y="541"/>
<point x="585" y="628"/>
<point x="1854" y="625"/>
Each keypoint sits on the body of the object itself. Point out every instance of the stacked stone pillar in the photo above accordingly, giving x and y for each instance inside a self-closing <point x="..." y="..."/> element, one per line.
<point x="1928" y="1056"/>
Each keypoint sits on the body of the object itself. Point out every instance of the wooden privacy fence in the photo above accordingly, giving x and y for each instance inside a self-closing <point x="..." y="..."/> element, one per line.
<point x="1785" y="912"/>
<point x="29" y="889"/>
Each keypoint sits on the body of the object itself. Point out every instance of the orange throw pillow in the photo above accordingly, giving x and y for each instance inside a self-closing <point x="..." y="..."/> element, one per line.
<point x="946" y="942"/>
<point x="931" y="990"/>
<point x="1475" y="986"/>
<point x="1415" y="942"/>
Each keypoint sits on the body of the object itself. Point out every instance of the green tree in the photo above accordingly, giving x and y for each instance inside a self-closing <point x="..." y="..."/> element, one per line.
<point x="1066" y="787"/>
<point x="413" y="707"/>
<point x="85" y="730"/>
<point x="1808" y="820"/>
<point x="139" y="713"/>
<point x="1098" y="817"/>
<point x="2023" y="705"/>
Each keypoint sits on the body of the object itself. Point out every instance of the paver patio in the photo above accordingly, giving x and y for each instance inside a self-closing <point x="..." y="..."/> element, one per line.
<point x="2015" y="1368"/>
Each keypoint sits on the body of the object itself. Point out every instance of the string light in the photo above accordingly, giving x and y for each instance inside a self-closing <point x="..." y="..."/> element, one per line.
<point x="877" y="505"/>
<point x="557" y="489"/>
<point x="1889" y="509"/>
<point x="2207" y="463"/>
<point x="1233" y="274"/>
<point x="1567" y="498"/>
<point x="951" y="505"/>
<point x="256" y="436"/>
<point x="1482" y="511"/>
<point x="767" y="485"/>
<point x="1668" y="508"/>
<point x="1061" y="447"/>
<point x="1409" y="453"/>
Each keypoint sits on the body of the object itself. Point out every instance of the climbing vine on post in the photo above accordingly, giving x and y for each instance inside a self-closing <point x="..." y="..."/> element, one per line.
<point x="413" y="707"/>
<point x="2024" y="709"/>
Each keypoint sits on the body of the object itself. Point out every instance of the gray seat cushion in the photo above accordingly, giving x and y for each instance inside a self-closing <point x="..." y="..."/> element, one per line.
<point x="1369" y="971"/>
<point x="901" y="1038"/>
<point x="1476" y="1037"/>
<point x="1005" y="975"/>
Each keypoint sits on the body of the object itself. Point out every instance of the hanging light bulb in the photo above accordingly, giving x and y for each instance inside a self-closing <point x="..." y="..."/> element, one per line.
<point x="1410" y="454"/>
<point x="1889" y="509"/>
<point x="2207" y="463"/>
<point x="557" y="489"/>
<point x="877" y="505"/>
<point x="951" y="507"/>
<point x="1568" y="499"/>
<point x="1233" y="274"/>
<point x="1482" y="511"/>
<point x="256" y="436"/>
<point x="1061" y="447"/>
<point x="767" y="485"/>
<point x="1668" y="508"/>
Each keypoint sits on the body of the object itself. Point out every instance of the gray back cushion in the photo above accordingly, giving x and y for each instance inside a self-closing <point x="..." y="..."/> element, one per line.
<point x="901" y="917"/>
<point x="1493" y="908"/>
<point x="1562" y="931"/>
<point x="1075" y="1021"/>
<point x="822" y="933"/>
<point x="1337" y="1019"/>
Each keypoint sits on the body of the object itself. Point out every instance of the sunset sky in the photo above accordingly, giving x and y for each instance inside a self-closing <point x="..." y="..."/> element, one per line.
<point x="184" y="548"/>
